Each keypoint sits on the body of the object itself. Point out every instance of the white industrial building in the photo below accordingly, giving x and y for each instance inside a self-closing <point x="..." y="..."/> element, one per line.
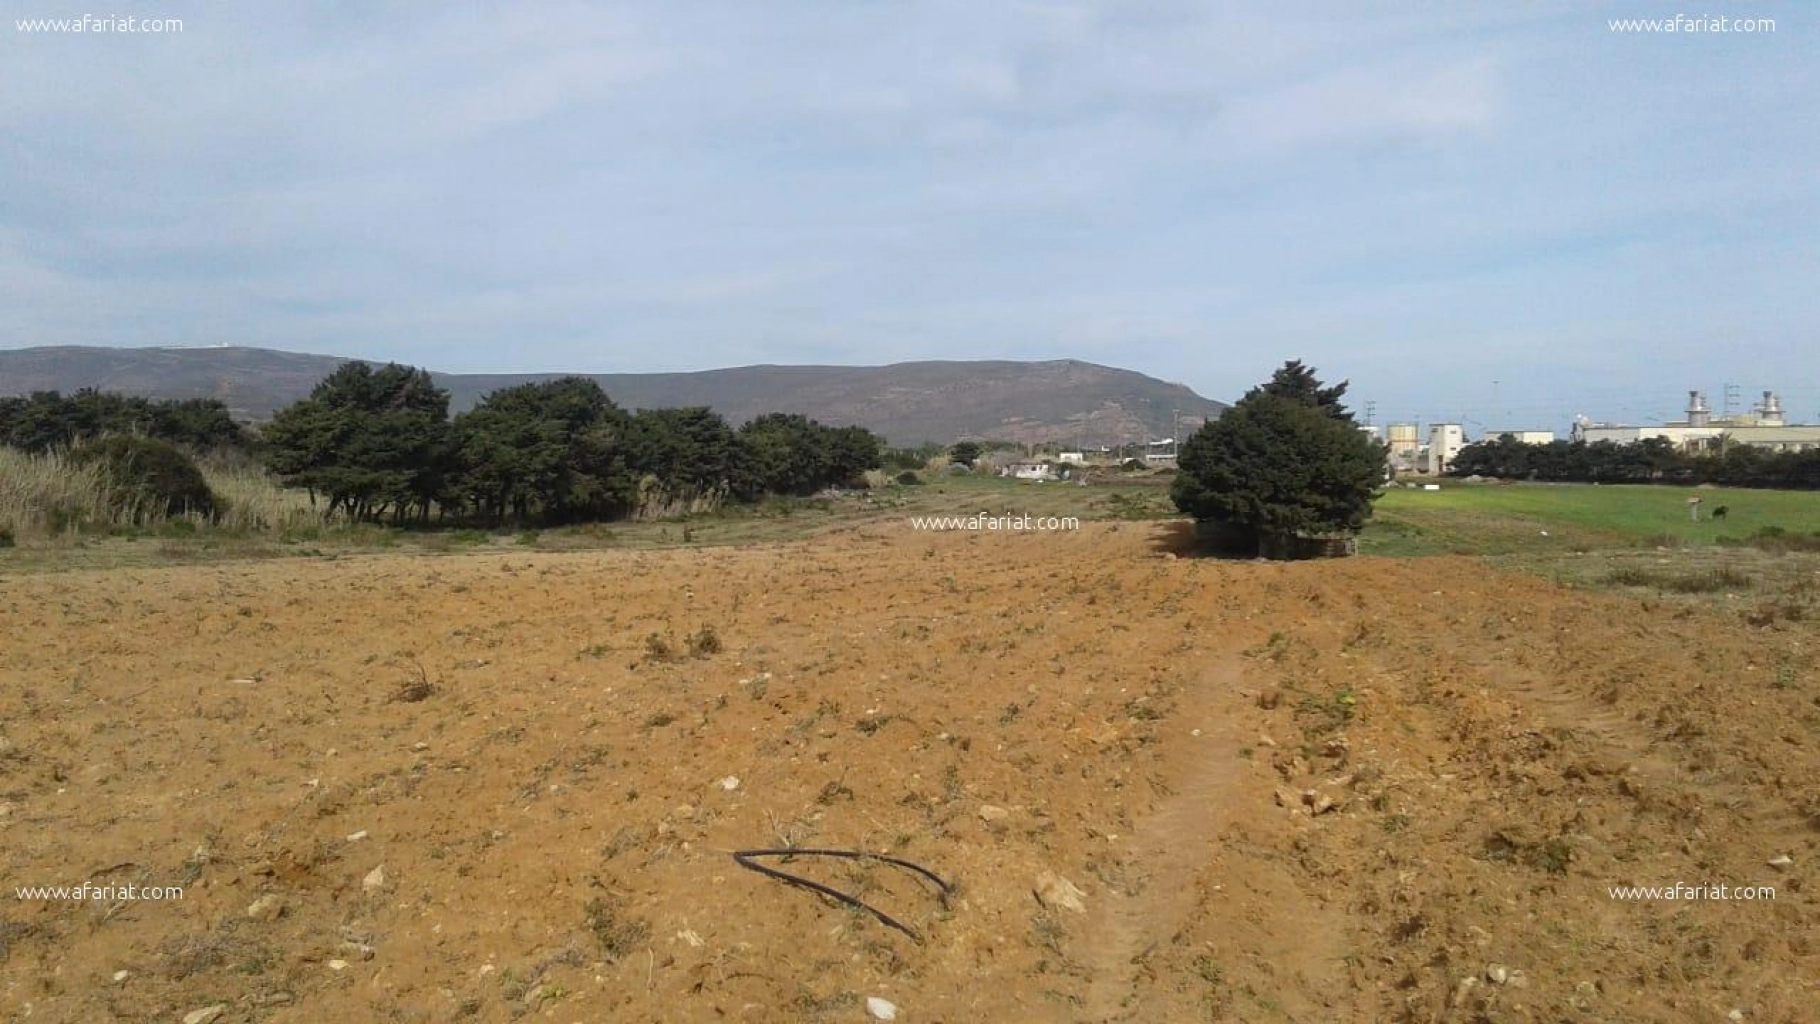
<point x="1763" y="427"/>
<point x="1444" y="443"/>
<point x="1521" y="436"/>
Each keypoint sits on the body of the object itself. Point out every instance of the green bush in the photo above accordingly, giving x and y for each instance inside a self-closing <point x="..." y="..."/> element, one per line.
<point x="148" y="478"/>
<point x="909" y="478"/>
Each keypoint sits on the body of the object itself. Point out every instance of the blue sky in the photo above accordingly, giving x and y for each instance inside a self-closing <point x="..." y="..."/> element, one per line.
<point x="1422" y="197"/>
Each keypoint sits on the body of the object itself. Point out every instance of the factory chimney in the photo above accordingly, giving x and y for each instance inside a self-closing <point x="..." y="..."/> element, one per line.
<point x="1770" y="412"/>
<point x="1698" y="415"/>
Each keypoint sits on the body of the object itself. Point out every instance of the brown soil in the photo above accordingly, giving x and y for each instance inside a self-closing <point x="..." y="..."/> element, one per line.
<point x="541" y="782"/>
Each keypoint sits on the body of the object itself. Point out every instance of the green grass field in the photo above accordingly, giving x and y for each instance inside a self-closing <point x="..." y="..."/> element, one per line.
<point x="1513" y="518"/>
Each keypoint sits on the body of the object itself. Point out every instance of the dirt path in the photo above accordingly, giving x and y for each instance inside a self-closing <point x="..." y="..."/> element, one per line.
<point x="1180" y="872"/>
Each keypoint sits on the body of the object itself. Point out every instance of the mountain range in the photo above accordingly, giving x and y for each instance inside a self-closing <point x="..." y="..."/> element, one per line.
<point x="1063" y="401"/>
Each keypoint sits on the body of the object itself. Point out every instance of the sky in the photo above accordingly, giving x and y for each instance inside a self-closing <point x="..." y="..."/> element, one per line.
<point x="1506" y="214"/>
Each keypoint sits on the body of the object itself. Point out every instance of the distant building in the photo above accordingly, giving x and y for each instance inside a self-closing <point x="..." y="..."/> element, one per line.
<point x="1029" y="471"/>
<point x="1160" y="453"/>
<point x="1521" y="436"/>
<point x="1444" y="443"/>
<point x="1405" y="440"/>
<point x="1763" y="427"/>
<point x="1073" y="458"/>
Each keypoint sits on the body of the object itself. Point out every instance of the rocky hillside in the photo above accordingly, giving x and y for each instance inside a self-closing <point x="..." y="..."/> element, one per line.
<point x="1065" y="401"/>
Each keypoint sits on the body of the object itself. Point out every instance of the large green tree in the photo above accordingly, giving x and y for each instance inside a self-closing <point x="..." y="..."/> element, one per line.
<point x="371" y="440"/>
<point x="48" y="419"/>
<point x="555" y="451"/>
<point x="1287" y="460"/>
<point x="690" y="453"/>
<point x="792" y="454"/>
<point x="965" y="453"/>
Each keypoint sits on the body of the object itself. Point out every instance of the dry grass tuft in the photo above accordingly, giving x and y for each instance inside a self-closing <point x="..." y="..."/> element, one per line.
<point x="47" y="496"/>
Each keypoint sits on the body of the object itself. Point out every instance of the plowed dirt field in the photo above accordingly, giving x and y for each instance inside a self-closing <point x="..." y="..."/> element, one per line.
<point x="505" y="786"/>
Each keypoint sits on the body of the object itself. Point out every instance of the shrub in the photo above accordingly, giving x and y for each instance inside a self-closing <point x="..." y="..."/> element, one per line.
<point x="909" y="478"/>
<point x="147" y="478"/>
<point x="658" y="649"/>
<point x="704" y="642"/>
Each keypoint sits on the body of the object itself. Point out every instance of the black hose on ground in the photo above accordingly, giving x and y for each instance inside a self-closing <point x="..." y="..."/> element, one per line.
<point x="744" y="859"/>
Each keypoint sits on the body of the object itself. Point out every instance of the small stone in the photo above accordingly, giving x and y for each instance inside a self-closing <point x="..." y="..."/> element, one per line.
<point x="730" y="783"/>
<point x="1052" y="890"/>
<point x="420" y="745"/>
<point x="205" y="1015"/>
<point x="1735" y="1016"/>
<point x="360" y="949"/>
<point x="120" y="976"/>
<point x="355" y="837"/>
<point x="881" y="1009"/>
<point x="266" y="908"/>
<point x="374" y="880"/>
<point x="1268" y="699"/>
<point x="338" y="965"/>
<point x="1781" y="862"/>
<point x="1289" y="798"/>
<point x="1463" y="991"/>
<point x="990" y="813"/>
<point x="1497" y="974"/>
<point x="684" y="811"/>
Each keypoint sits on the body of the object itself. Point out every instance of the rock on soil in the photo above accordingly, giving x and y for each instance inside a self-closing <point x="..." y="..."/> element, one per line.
<point x="269" y="907"/>
<point x="1052" y="890"/>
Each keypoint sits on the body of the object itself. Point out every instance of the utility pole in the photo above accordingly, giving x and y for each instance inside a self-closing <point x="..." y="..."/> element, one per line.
<point x="1731" y="395"/>
<point x="1371" y="407"/>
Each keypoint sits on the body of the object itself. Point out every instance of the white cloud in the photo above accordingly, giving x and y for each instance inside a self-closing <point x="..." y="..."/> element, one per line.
<point x="1360" y="106"/>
